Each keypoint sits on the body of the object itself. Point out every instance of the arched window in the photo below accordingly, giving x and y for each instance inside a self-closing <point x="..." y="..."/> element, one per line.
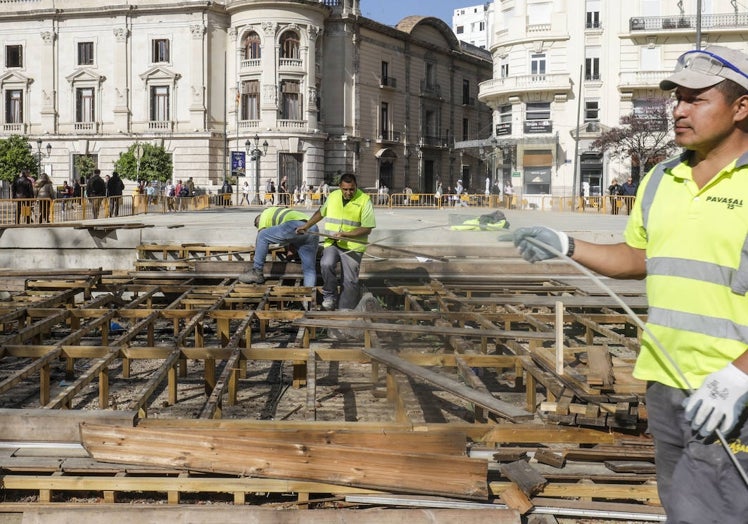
<point x="289" y="45"/>
<point x="251" y="46"/>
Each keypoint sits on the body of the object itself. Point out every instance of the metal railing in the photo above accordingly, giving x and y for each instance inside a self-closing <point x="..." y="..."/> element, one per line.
<point x="708" y="21"/>
<point x="40" y="211"/>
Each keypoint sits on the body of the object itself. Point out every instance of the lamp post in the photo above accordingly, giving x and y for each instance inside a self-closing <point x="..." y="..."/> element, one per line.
<point x="39" y="154"/>
<point x="255" y="153"/>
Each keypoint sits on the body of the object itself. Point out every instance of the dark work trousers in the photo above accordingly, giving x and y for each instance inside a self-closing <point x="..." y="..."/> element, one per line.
<point x="350" y="263"/>
<point x="696" y="480"/>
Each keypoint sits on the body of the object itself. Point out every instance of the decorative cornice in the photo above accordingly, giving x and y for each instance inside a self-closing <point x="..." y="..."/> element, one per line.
<point x="121" y="33"/>
<point x="48" y="37"/>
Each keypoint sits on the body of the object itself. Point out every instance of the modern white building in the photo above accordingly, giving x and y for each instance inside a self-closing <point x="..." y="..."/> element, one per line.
<point x="473" y="24"/>
<point x="559" y="61"/>
<point x="303" y="89"/>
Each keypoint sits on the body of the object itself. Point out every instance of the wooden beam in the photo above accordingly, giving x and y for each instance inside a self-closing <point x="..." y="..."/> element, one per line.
<point x="489" y="402"/>
<point x="347" y="465"/>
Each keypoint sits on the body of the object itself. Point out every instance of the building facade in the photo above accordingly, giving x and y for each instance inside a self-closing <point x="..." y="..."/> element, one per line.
<point x="473" y="24"/>
<point x="299" y="89"/>
<point x="559" y="69"/>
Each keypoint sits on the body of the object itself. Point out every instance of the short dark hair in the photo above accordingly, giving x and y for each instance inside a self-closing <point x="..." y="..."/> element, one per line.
<point x="731" y="90"/>
<point x="349" y="178"/>
<point x="257" y="220"/>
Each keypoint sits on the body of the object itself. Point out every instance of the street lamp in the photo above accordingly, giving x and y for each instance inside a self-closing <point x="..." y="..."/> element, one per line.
<point x="39" y="154"/>
<point x="255" y="153"/>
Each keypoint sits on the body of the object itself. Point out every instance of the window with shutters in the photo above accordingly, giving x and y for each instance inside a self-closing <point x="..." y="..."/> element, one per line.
<point x="14" y="106"/>
<point x="290" y="100"/>
<point x="250" y="100"/>
<point x="251" y="46"/>
<point x="13" y="56"/>
<point x="289" y="45"/>
<point x="85" y="53"/>
<point x="84" y="105"/>
<point x="159" y="111"/>
<point x="160" y="50"/>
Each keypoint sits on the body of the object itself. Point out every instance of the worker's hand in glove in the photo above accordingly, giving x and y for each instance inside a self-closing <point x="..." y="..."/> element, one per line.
<point x="719" y="401"/>
<point x="535" y="253"/>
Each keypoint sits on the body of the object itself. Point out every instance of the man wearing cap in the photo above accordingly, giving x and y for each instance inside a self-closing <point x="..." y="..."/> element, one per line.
<point x="688" y="235"/>
<point x="277" y="225"/>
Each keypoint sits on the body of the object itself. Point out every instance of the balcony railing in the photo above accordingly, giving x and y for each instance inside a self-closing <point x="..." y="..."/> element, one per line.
<point x="14" y="128"/>
<point x="643" y="79"/>
<point x="249" y="124"/>
<point x="293" y="63"/>
<point x="388" y="81"/>
<point x="511" y="84"/>
<point x="159" y="125"/>
<point x="387" y="135"/>
<point x="708" y="21"/>
<point x="430" y="88"/>
<point x="85" y="127"/>
<point x="432" y="141"/>
<point x="250" y="63"/>
<point x="292" y="124"/>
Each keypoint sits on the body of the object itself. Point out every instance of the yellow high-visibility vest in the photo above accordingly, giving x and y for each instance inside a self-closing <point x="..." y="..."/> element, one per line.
<point x="339" y="217"/>
<point x="696" y="243"/>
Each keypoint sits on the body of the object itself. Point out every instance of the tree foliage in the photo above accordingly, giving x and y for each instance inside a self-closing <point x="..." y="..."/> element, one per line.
<point x="16" y="154"/>
<point x="85" y="164"/>
<point x="644" y="138"/>
<point x="154" y="164"/>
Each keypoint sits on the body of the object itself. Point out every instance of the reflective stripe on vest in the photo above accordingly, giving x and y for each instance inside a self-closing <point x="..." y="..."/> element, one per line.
<point x="274" y="216"/>
<point x="347" y="217"/>
<point x="696" y="293"/>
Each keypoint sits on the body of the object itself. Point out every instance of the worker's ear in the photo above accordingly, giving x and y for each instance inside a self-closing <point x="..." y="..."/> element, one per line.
<point x="741" y="109"/>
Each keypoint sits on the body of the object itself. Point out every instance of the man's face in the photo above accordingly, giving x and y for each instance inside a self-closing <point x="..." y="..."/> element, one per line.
<point x="702" y="118"/>
<point x="348" y="189"/>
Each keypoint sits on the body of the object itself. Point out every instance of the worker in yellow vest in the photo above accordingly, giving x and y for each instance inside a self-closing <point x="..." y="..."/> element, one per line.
<point x="277" y="225"/>
<point x="688" y="235"/>
<point x="349" y="218"/>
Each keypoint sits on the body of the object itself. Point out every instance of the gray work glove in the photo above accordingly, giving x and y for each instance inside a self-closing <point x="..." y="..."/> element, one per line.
<point x="719" y="401"/>
<point x="534" y="253"/>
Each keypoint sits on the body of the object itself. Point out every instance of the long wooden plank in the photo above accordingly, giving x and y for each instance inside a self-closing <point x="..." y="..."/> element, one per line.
<point x="345" y="465"/>
<point x="425" y="330"/>
<point x="453" y="443"/>
<point x="487" y="401"/>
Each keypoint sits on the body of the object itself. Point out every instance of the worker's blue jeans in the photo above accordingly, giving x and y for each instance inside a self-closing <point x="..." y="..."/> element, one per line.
<point x="350" y="263"/>
<point x="285" y="234"/>
<point x="696" y="480"/>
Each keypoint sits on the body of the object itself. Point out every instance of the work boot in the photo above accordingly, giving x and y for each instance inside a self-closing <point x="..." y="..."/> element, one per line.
<point x="254" y="276"/>
<point x="328" y="303"/>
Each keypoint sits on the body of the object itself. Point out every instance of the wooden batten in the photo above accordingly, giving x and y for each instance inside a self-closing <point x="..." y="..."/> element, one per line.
<point x="382" y="469"/>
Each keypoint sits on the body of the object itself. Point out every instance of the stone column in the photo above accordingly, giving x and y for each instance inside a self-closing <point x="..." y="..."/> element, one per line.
<point x="48" y="111"/>
<point x="121" y="81"/>
<point x="268" y="80"/>
<point x="197" y="78"/>
<point x="311" y="77"/>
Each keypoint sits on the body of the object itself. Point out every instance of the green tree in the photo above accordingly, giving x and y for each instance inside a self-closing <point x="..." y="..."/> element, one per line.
<point x="644" y="137"/>
<point x="15" y="155"/>
<point x="154" y="164"/>
<point x="85" y="165"/>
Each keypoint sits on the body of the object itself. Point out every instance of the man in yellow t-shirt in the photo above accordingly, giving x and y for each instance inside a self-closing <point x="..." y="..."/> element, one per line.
<point x="688" y="235"/>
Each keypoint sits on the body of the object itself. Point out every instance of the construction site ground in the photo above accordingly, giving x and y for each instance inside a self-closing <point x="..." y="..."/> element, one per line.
<point x="137" y="374"/>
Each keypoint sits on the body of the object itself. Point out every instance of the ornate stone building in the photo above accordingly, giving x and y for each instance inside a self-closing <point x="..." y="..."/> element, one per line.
<point x="296" y="88"/>
<point x="559" y="68"/>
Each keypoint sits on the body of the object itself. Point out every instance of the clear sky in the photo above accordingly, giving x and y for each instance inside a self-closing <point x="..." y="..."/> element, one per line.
<point x="390" y="12"/>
